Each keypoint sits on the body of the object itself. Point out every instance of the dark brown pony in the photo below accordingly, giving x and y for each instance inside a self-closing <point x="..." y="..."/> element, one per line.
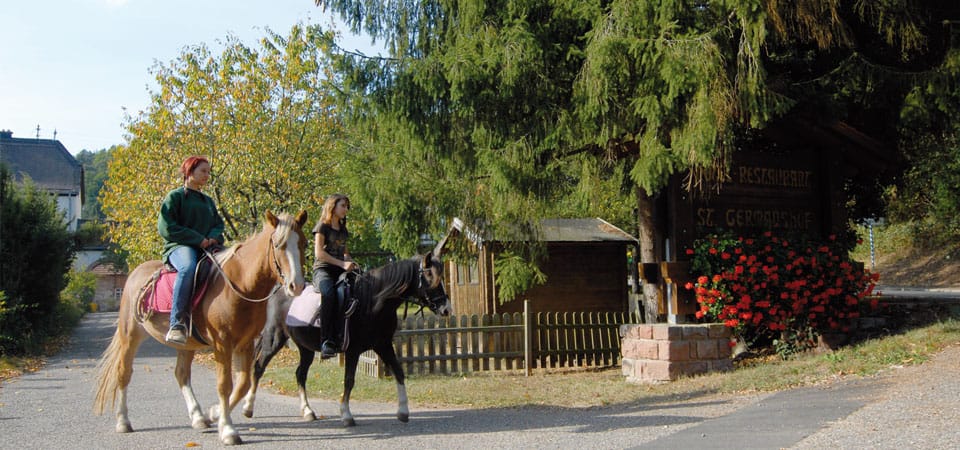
<point x="372" y="325"/>
<point x="229" y="318"/>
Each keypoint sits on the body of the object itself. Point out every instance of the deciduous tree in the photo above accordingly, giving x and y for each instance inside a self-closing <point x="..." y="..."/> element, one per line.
<point x="262" y="115"/>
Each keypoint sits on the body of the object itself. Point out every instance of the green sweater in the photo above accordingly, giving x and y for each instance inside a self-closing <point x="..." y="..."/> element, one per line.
<point x="187" y="217"/>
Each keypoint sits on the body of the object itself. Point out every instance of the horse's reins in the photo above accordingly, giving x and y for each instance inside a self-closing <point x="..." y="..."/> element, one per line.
<point x="276" y="265"/>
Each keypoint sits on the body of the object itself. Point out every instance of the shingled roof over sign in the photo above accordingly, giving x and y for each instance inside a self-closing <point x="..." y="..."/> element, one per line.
<point x="45" y="161"/>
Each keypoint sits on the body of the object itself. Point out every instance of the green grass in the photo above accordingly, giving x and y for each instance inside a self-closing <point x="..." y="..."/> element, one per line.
<point x="890" y="239"/>
<point x="578" y="388"/>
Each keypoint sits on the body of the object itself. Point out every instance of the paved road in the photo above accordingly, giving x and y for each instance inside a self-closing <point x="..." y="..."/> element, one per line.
<point x="52" y="408"/>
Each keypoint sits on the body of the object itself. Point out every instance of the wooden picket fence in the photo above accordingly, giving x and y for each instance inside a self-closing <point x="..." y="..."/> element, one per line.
<point x="519" y="341"/>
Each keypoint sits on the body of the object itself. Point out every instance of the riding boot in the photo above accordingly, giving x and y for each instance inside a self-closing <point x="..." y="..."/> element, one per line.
<point x="328" y="328"/>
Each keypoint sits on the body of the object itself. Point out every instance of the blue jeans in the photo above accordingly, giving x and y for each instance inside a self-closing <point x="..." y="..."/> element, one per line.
<point x="326" y="284"/>
<point x="184" y="259"/>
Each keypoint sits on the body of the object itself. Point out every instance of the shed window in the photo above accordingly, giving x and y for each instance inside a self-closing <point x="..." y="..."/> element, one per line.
<point x="474" y="273"/>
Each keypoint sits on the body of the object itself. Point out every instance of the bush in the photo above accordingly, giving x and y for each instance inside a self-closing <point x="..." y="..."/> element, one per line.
<point x="35" y="255"/>
<point x="788" y="290"/>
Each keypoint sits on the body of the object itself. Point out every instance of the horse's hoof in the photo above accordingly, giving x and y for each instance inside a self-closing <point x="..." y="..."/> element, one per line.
<point x="248" y="414"/>
<point x="200" y="424"/>
<point x="232" y="439"/>
<point x="403" y="417"/>
<point x="349" y="422"/>
<point x="124" y="428"/>
<point x="309" y="416"/>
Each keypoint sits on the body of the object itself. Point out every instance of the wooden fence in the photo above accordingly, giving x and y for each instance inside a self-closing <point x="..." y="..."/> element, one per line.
<point x="519" y="341"/>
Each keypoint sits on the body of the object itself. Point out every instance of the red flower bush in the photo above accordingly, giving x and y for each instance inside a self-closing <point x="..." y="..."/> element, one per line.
<point x="777" y="287"/>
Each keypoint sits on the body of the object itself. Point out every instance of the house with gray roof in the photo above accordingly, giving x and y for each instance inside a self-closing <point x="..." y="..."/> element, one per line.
<point x="50" y="166"/>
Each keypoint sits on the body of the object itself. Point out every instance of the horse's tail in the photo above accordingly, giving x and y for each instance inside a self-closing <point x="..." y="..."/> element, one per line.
<point x="108" y="381"/>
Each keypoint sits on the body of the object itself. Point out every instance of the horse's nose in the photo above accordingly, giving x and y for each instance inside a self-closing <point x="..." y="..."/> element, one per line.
<point x="295" y="287"/>
<point x="446" y="310"/>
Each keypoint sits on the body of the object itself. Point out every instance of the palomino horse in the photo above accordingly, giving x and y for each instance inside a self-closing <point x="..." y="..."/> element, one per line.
<point x="372" y="324"/>
<point x="229" y="318"/>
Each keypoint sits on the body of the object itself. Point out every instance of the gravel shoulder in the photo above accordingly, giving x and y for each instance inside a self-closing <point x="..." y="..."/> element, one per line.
<point x="917" y="407"/>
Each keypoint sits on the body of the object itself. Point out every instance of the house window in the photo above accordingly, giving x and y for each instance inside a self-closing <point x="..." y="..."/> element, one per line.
<point x="461" y="270"/>
<point x="474" y="273"/>
<point x="117" y="293"/>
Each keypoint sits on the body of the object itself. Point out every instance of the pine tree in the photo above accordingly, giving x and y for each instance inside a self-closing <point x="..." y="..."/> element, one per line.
<point x="503" y="112"/>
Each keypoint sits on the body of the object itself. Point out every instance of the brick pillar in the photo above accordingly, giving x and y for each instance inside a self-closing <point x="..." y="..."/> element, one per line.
<point x="665" y="352"/>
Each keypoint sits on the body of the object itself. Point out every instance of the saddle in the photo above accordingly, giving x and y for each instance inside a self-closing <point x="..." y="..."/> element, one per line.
<point x="156" y="296"/>
<point x="305" y="308"/>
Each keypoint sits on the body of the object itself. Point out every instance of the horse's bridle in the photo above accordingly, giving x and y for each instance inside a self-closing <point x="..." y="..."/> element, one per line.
<point x="276" y="266"/>
<point x="434" y="302"/>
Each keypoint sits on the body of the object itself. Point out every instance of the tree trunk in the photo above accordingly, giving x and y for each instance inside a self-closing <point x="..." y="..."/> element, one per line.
<point x="649" y="236"/>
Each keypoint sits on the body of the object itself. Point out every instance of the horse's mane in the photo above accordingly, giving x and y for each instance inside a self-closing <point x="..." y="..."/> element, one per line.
<point x="390" y="282"/>
<point x="283" y="230"/>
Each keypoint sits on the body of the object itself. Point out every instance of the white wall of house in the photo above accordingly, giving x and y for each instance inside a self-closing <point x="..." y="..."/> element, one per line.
<point x="84" y="258"/>
<point x="71" y="207"/>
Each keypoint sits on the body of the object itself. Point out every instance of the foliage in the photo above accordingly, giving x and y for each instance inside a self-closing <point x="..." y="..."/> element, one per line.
<point x="506" y="112"/>
<point x="35" y="254"/>
<point x="264" y="118"/>
<point x="791" y="290"/>
<point x="80" y="290"/>
<point x="514" y="275"/>
<point x="90" y="234"/>
<point x="94" y="176"/>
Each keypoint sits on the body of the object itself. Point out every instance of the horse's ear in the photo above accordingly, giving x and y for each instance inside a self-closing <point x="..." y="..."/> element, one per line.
<point x="272" y="219"/>
<point x="425" y="263"/>
<point x="301" y="218"/>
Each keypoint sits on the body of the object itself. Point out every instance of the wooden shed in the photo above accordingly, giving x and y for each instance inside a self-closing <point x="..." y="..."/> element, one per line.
<point x="585" y="265"/>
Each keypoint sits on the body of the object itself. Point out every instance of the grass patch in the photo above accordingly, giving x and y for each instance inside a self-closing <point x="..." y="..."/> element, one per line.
<point x="14" y="366"/>
<point x="580" y="388"/>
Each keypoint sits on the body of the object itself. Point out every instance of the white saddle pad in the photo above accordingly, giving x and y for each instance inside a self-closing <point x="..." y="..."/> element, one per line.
<point x="303" y="308"/>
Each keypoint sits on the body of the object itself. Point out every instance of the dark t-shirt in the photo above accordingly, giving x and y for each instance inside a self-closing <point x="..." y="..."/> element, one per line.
<point x="334" y="243"/>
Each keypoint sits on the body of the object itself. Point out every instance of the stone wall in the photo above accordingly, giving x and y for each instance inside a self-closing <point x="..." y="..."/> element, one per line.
<point x="665" y="352"/>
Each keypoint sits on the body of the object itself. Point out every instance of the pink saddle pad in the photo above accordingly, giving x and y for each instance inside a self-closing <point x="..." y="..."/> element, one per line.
<point x="160" y="298"/>
<point x="303" y="309"/>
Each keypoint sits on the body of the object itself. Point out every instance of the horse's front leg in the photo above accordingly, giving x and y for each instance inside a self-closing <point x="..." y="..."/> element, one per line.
<point x="389" y="356"/>
<point x="182" y="373"/>
<point x="349" y="377"/>
<point x="306" y="359"/>
<point x="223" y="355"/>
<point x="243" y="363"/>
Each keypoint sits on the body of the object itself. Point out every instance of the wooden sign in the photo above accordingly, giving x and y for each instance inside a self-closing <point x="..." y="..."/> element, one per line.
<point x="762" y="192"/>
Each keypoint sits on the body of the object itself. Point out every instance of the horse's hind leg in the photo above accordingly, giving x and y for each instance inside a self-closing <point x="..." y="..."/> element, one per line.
<point x="268" y="345"/>
<point x="183" y="371"/>
<point x="116" y="370"/>
<point x="306" y="359"/>
<point x="389" y="357"/>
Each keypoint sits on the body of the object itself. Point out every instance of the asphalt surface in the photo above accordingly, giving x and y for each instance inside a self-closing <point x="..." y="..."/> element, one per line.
<point x="52" y="408"/>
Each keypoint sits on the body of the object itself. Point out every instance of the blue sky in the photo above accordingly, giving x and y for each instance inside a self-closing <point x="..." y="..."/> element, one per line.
<point x="74" y="65"/>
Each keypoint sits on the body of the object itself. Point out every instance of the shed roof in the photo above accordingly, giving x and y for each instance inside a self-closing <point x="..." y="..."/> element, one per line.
<point x="46" y="161"/>
<point x="555" y="230"/>
<point x="582" y="230"/>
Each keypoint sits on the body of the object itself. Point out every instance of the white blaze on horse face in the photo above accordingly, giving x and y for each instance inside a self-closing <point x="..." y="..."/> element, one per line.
<point x="291" y="251"/>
